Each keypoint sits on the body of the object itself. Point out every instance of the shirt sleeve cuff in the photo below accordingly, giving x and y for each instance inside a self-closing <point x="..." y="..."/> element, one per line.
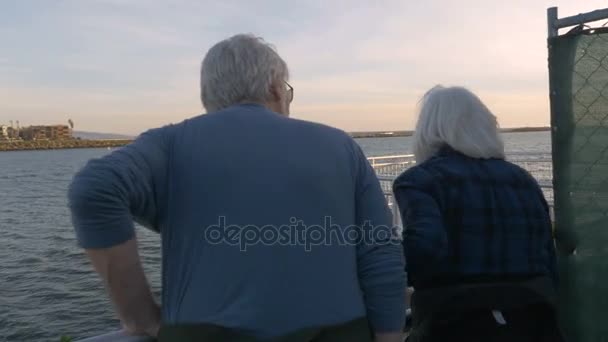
<point x="106" y="236"/>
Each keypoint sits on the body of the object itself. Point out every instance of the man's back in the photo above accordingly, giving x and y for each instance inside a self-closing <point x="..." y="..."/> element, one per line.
<point x="254" y="210"/>
<point x="272" y="179"/>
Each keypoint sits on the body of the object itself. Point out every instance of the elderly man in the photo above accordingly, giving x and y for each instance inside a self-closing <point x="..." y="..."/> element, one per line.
<point x="256" y="214"/>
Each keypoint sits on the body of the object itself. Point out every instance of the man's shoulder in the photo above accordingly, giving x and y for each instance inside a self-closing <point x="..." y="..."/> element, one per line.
<point x="319" y="128"/>
<point x="301" y="125"/>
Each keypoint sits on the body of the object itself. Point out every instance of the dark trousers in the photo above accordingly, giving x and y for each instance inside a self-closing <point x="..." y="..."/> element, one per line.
<point x="464" y="312"/>
<point x="354" y="331"/>
<point x="534" y="323"/>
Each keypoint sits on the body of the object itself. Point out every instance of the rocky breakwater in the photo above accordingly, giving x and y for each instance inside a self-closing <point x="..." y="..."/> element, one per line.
<point x="60" y="144"/>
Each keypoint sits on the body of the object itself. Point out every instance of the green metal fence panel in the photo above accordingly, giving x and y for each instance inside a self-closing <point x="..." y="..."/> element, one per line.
<point x="578" y="70"/>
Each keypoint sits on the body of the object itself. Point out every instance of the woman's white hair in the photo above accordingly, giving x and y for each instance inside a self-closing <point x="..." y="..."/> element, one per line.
<point x="456" y="117"/>
<point x="240" y="69"/>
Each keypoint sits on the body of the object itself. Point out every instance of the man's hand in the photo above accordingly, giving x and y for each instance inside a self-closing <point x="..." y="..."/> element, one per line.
<point x="124" y="279"/>
<point x="149" y="328"/>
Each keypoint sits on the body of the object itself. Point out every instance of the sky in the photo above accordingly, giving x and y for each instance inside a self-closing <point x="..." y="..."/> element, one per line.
<point x="124" y="66"/>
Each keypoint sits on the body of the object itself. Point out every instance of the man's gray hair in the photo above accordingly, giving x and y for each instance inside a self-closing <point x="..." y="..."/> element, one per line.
<point x="240" y="69"/>
<point x="457" y="118"/>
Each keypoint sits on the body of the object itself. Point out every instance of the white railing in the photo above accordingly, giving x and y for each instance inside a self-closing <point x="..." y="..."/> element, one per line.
<point x="538" y="164"/>
<point x="386" y="160"/>
<point x="387" y="168"/>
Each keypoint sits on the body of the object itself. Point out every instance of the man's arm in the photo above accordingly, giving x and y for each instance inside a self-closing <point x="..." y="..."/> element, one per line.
<point x="126" y="283"/>
<point x="104" y="198"/>
<point x="380" y="257"/>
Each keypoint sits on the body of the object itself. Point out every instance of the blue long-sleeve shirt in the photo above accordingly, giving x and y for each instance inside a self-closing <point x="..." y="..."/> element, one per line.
<point x="468" y="219"/>
<point x="241" y="198"/>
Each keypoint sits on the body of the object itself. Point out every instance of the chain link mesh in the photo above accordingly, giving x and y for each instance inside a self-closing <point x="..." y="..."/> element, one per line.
<point x="588" y="187"/>
<point x="578" y="67"/>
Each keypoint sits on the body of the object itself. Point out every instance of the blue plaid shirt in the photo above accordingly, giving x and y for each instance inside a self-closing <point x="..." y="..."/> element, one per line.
<point x="466" y="219"/>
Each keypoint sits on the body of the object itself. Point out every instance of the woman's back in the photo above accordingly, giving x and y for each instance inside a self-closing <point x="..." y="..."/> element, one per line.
<point x="477" y="230"/>
<point x="468" y="220"/>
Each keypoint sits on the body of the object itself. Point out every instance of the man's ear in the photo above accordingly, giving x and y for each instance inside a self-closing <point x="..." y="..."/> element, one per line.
<point x="275" y="92"/>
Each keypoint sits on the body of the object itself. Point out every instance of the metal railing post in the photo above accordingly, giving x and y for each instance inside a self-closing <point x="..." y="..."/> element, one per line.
<point x="552" y="22"/>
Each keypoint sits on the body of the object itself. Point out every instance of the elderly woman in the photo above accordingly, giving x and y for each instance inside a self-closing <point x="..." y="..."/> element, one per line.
<point x="477" y="230"/>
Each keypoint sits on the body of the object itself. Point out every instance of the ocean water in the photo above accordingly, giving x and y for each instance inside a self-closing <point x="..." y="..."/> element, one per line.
<point x="47" y="287"/>
<point x="532" y="142"/>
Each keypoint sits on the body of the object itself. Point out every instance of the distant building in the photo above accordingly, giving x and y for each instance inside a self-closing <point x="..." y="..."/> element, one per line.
<point x="33" y="133"/>
<point x="54" y="132"/>
<point x="13" y="133"/>
<point x="58" y="132"/>
<point x="8" y="133"/>
<point x="4" y="132"/>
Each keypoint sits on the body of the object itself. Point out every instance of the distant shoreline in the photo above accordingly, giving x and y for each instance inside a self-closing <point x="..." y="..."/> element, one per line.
<point x="38" y="145"/>
<point x="392" y="134"/>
